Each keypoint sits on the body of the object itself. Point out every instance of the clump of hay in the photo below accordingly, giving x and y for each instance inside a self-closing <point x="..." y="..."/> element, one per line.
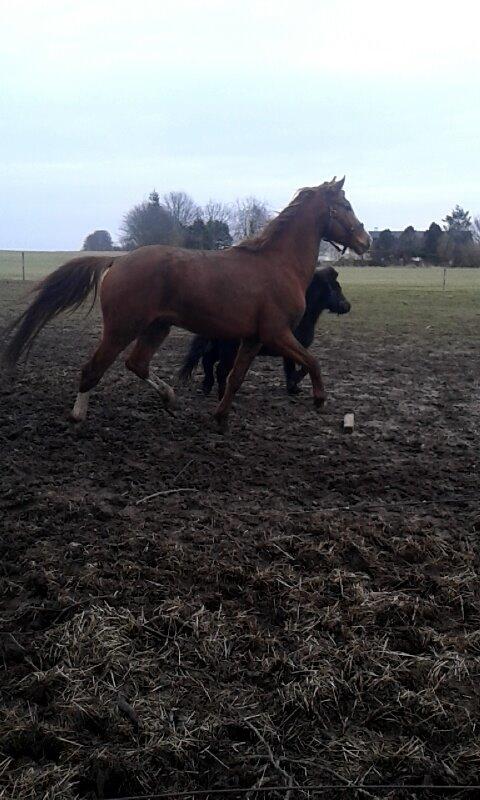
<point x="291" y="658"/>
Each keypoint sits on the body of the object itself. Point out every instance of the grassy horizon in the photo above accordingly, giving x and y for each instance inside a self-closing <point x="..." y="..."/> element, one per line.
<point x="385" y="300"/>
<point x="39" y="263"/>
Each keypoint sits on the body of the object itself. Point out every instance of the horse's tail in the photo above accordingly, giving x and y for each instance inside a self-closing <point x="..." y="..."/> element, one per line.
<point x="198" y="348"/>
<point x="66" y="288"/>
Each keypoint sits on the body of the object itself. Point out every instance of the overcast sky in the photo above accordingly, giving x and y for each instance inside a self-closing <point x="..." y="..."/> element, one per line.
<point x="102" y="101"/>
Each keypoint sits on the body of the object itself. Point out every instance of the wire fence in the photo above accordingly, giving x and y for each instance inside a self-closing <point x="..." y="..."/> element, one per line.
<point x="33" y="265"/>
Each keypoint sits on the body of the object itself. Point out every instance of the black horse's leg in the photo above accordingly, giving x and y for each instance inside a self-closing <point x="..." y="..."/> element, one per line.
<point x="246" y="353"/>
<point x="290" y="376"/>
<point x="228" y="354"/>
<point x="288" y="346"/>
<point x="305" y="333"/>
<point x="208" y="361"/>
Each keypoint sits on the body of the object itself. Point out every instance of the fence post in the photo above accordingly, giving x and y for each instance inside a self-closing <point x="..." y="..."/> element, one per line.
<point x="444" y="277"/>
<point x="23" y="265"/>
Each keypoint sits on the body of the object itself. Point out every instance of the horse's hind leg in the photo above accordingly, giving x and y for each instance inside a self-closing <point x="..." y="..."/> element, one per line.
<point x="143" y="351"/>
<point x="92" y="372"/>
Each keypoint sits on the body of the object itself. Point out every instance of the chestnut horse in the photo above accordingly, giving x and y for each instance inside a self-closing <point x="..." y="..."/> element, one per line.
<point x="254" y="291"/>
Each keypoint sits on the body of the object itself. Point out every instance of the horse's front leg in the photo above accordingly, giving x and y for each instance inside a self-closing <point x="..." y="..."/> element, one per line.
<point x="291" y="376"/>
<point x="290" y="348"/>
<point x="246" y="353"/>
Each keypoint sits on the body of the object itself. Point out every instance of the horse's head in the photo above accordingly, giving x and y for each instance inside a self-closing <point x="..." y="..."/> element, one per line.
<point x="342" y="226"/>
<point x="326" y="288"/>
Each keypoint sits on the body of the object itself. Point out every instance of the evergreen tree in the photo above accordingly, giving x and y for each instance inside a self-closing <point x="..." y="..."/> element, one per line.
<point x="196" y="236"/>
<point x="384" y="247"/>
<point x="459" y="223"/>
<point x="407" y="244"/>
<point x="218" y="234"/>
<point x="459" y="235"/>
<point x="210" y="235"/>
<point x="431" y="242"/>
<point x="147" y="223"/>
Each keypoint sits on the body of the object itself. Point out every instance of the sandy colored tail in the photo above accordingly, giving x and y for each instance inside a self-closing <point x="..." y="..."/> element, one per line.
<point x="64" y="289"/>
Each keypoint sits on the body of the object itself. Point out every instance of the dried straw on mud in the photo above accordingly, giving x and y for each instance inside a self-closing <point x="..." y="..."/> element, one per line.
<point x="307" y="655"/>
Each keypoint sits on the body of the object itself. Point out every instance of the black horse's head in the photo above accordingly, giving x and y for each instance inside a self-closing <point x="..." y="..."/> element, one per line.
<point x="326" y="293"/>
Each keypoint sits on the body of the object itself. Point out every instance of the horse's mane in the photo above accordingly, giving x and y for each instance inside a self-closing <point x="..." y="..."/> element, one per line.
<point x="277" y="225"/>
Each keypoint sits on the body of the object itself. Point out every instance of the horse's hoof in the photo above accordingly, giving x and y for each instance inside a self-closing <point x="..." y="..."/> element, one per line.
<point x="206" y="389"/>
<point x="170" y="398"/>
<point x="76" y="421"/>
<point x="222" y="422"/>
<point x="319" y="402"/>
<point x="293" y="389"/>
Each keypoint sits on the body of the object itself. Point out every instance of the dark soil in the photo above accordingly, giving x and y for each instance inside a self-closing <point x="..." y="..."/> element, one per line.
<point x="297" y="606"/>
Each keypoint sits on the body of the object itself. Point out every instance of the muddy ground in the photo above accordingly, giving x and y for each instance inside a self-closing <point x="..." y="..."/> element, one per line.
<point x="295" y="607"/>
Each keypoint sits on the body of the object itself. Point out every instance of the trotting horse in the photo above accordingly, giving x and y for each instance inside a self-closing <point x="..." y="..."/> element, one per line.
<point x="324" y="293"/>
<point x="254" y="291"/>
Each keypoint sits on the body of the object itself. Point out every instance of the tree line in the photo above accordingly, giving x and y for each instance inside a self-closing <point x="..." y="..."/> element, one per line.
<point x="457" y="243"/>
<point x="176" y="219"/>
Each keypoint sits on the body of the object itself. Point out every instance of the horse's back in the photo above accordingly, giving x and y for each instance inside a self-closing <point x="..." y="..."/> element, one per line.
<point x="212" y="293"/>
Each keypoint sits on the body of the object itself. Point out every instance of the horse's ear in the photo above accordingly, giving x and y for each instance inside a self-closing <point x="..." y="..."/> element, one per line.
<point x="339" y="184"/>
<point x="330" y="271"/>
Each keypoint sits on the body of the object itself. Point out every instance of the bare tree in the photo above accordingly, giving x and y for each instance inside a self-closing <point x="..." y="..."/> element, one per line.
<point x="182" y="208"/>
<point x="216" y="210"/>
<point x="476" y="230"/>
<point x="249" y="216"/>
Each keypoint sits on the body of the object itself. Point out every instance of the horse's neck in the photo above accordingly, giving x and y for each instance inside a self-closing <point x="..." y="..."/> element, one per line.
<point x="303" y="239"/>
<point x="318" y="307"/>
<point x="315" y="307"/>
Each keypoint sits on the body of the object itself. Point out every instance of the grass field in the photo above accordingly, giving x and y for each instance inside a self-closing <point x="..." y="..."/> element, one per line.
<point x="386" y="299"/>
<point x="38" y="263"/>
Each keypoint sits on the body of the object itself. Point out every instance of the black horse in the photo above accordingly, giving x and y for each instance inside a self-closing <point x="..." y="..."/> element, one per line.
<point x="323" y="293"/>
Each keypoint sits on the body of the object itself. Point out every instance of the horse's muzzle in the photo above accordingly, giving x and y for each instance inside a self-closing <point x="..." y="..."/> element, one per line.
<point x="344" y="307"/>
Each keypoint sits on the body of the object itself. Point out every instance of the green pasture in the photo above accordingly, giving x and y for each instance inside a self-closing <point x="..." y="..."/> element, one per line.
<point x="404" y="300"/>
<point x="411" y="300"/>
<point x="37" y="263"/>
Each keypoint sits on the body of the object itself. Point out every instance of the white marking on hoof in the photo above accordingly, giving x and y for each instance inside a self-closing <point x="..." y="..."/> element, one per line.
<point x="79" y="410"/>
<point x="164" y="390"/>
